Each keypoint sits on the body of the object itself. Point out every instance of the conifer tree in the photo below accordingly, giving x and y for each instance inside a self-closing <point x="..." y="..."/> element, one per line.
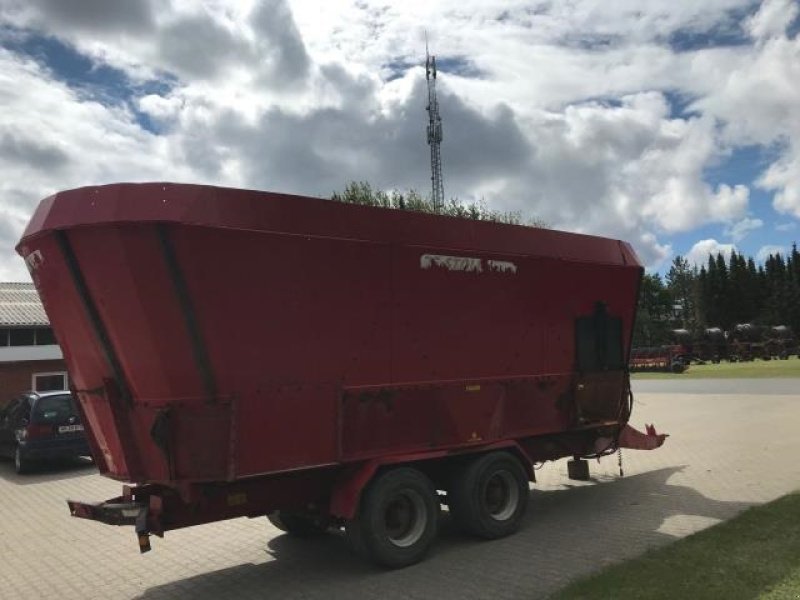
<point x="680" y="284"/>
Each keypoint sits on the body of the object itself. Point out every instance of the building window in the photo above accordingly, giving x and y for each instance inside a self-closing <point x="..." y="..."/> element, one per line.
<point x="27" y="336"/>
<point x="49" y="382"/>
<point x="22" y="337"/>
<point x="45" y="337"/>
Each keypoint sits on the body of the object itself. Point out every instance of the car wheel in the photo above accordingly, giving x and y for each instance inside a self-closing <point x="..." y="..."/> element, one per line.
<point x="489" y="497"/>
<point x="397" y="520"/>
<point x="21" y="463"/>
<point x="298" y="524"/>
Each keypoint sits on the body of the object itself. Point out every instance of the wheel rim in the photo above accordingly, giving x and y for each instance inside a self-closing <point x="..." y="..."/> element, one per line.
<point x="17" y="459"/>
<point x="501" y="496"/>
<point x="405" y="518"/>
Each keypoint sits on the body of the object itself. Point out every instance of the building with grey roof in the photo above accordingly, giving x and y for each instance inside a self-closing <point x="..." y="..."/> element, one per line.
<point x="30" y="358"/>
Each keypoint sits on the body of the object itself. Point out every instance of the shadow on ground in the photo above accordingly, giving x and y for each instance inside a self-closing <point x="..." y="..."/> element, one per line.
<point x="46" y="471"/>
<point x="568" y="533"/>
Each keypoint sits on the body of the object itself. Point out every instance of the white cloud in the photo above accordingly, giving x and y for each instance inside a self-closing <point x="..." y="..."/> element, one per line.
<point x="51" y="139"/>
<point x="757" y="100"/>
<point x="555" y="109"/>
<point x="772" y="18"/>
<point x="783" y="176"/>
<point x="651" y="251"/>
<point x="740" y="229"/>
<point x="764" y="252"/>
<point x="159" y="107"/>
<point x="623" y="169"/>
<point x="699" y="253"/>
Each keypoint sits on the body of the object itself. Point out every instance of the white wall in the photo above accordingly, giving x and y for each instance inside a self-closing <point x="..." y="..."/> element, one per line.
<point x="16" y="353"/>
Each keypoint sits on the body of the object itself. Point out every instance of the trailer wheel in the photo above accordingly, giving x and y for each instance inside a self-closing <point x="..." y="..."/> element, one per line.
<point x="397" y="520"/>
<point x="297" y="524"/>
<point x="488" y="498"/>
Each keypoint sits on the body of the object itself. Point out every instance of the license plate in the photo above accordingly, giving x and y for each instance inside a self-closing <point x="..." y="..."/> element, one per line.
<point x="69" y="428"/>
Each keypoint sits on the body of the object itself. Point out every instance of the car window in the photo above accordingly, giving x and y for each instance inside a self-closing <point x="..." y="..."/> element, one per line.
<point x="18" y="409"/>
<point x="53" y="409"/>
<point x="4" y="410"/>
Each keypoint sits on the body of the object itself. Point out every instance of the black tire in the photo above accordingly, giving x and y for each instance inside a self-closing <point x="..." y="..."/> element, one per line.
<point x="397" y="520"/>
<point x="22" y="464"/>
<point x="298" y="524"/>
<point x="489" y="496"/>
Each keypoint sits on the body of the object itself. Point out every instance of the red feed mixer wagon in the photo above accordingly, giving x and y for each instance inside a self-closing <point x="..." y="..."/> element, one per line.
<point x="240" y="353"/>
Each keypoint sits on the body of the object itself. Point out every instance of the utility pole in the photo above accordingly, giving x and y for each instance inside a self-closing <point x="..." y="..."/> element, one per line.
<point x="434" y="132"/>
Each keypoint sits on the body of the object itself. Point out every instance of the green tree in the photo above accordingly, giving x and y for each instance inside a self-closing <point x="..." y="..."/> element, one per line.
<point x="712" y="294"/>
<point x="740" y="291"/>
<point x="741" y="307"/>
<point x="701" y="293"/>
<point x="793" y="289"/>
<point x="723" y="293"/>
<point x="654" y="313"/>
<point x="681" y="285"/>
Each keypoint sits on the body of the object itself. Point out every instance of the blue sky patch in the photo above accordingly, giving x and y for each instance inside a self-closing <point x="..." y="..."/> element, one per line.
<point x="458" y="65"/>
<point x="590" y="41"/>
<point x="454" y="65"/>
<point x="102" y="83"/>
<point x="726" y="32"/>
<point x="794" y="27"/>
<point x="395" y="69"/>
<point x="743" y="166"/>
<point x="679" y="104"/>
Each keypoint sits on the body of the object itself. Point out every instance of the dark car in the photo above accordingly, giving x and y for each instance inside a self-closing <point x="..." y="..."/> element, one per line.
<point x="41" y="426"/>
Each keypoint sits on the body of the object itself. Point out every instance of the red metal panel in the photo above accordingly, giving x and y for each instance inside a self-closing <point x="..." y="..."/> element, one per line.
<point x="127" y="276"/>
<point x="297" y="301"/>
<point x="311" y="314"/>
<point x="458" y="322"/>
<point x="286" y="427"/>
<point x="200" y="441"/>
<point x="385" y="421"/>
<point x="537" y="406"/>
<point x="87" y="366"/>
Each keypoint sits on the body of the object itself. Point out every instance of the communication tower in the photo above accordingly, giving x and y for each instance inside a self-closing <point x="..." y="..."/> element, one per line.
<point x="434" y="132"/>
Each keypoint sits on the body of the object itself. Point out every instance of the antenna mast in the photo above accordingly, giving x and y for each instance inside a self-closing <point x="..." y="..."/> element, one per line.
<point x="434" y="131"/>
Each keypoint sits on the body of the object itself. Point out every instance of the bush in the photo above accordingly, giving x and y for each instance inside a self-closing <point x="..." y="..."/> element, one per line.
<point x="362" y="193"/>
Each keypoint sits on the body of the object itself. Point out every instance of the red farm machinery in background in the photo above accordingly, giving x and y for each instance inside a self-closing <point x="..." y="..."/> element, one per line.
<point x="240" y="353"/>
<point x="657" y="359"/>
<point x="744" y="342"/>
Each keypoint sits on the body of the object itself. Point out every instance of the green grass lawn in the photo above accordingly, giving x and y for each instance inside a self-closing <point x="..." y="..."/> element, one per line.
<point x="756" y="368"/>
<point x="754" y="555"/>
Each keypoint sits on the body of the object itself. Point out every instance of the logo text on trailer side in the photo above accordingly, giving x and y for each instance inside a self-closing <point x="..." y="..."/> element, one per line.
<point x="466" y="264"/>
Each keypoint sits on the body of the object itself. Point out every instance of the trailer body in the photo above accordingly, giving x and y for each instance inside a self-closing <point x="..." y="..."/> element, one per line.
<point x="237" y="352"/>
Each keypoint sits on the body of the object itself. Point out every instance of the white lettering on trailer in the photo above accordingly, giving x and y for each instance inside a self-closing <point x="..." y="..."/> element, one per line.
<point x="502" y="266"/>
<point x="451" y="263"/>
<point x="465" y="263"/>
<point x="34" y="260"/>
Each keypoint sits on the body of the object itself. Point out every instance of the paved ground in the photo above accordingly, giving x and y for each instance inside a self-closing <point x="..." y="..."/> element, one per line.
<point x="753" y="387"/>
<point x="726" y="453"/>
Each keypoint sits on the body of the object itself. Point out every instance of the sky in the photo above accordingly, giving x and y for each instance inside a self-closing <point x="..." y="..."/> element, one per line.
<point x="672" y="124"/>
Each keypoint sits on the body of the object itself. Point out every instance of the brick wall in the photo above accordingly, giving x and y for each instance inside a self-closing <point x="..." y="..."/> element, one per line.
<point x="16" y="377"/>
